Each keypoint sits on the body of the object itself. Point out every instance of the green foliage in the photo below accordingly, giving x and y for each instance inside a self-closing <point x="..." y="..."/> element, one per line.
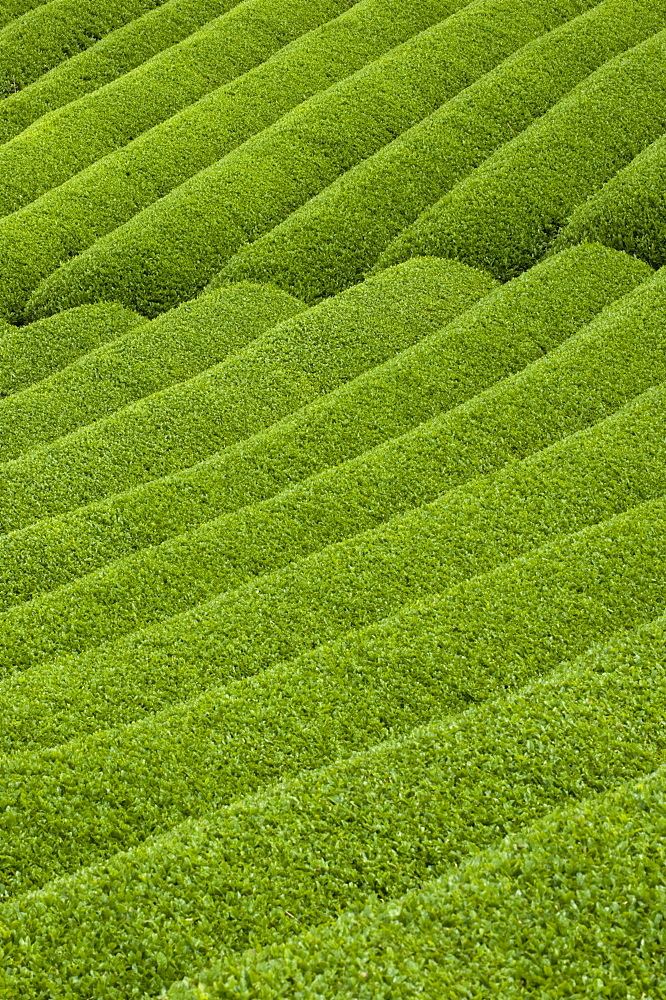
<point x="629" y="212"/>
<point x="68" y="218"/>
<point x="55" y="31"/>
<point x="506" y="213"/>
<point x="332" y="601"/>
<point x="108" y="58"/>
<point x="170" y="250"/>
<point x="505" y="332"/>
<point x="174" y="348"/>
<point x="71" y="137"/>
<point x="284" y="613"/>
<point x="337" y="235"/>
<point x="385" y="822"/>
<point x="11" y="9"/>
<point x="278" y="373"/>
<point x="34" y="352"/>
<point x="428" y="545"/>
<point x="564" y="910"/>
<point x="147" y="777"/>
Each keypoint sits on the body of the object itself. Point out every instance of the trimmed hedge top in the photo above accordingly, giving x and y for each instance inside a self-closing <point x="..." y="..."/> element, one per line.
<point x="332" y="499"/>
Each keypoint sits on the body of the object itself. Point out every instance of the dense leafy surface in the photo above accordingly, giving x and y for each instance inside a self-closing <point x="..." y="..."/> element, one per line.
<point x="629" y="212"/>
<point x="96" y="200"/>
<point x="337" y="235"/>
<point x="332" y="499"/>
<point x="105" y="59"/>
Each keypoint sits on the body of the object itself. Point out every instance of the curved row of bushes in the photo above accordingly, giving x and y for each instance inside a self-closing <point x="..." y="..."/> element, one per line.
<point x="507" y="212"/>
<point x="499" y="899"/>
<point x="265" y="620"/>
<point x="70" y="138"/>
<point x="68" y="218"/>
<point x="629" y="212"/>
<point x="282" y="371"/>
<point x="34" y="352"/>
<point x="337" y="236"/>
<point x="582" y="480"/>
<point x="55" y="31"/>
<point x="113" y="55"/>
<point x="226" y="553"/>
<point x="319" y="843"/>
<point x="507" y="331"/>
<point x="11" y="9"/>
<point x="171" y="249"/>
<point x="176" y="347"/>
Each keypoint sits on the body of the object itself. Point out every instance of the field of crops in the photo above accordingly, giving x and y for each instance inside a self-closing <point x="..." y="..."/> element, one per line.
<point x="332" y="499"/>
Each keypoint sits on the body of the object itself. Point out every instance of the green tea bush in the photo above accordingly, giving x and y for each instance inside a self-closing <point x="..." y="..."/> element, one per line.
<point x="556" y="910"/>
<point x="581" y="480"/>
<point x="11" y="9"/>
<point x="174" y="348"/>
<point x="384" y="822"/>
<point x="336" y="507"/>
<point x="506" y="331"/>
<point x="32" y="353"/>
<point x="629" y="212"/>
<point x="280" y="614"/>
<point x="338" y="235"/>
<point x="290" y="366"/>
<point x="55" y="31"/>
<point x="507" y="212"/>
<point x="67" y="219"/>
<point x="69" y="138"/>
<point x="113" y="55"/>
<point x="171" y="249"/>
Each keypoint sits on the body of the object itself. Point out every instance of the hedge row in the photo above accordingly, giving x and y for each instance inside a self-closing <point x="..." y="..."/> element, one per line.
<point x="507" y="212"/>
<point x="570" y="907"/>
<point x="345" y="502"/>
<point x="69" y="138"/>
<point x="285" y="612"/>
<point x="34" y="352"/>
<point x="56" y="31"/>
<point x="283" y="371"/>
<point x="65" y="220"/>
<point x="144" y="779"/>
<point x="338" y="235"/>
<point x="629" y="212"/>
<point x="170" y="250"/>
<point x="11" y="9"/>
<point x="174" y="348"/>
<point x="113" y="55"/>
<point x="504" y="333"/>
<point x="570" y="389"/>
<point x="385" y="821"/>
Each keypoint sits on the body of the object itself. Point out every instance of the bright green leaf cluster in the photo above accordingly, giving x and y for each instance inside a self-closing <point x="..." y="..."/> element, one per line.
<point x="288" y="367"/>
<point x="114" y="54"/>
<point x="283" y="613"/>
<point x="629" y="212"/>
<point x="506" y="331"/>
<point x="567" y="909"/>
<point x="338" y="235"/>
<point x="507" y="212"/>
<point x="146" y="777"/>
<point x="68" y="218"/>
<point x="69" y="138"/>
<point x="32" y="353"/>
<point x="58" y="30"/>
<point x="170" y="250"/>
<point x="380" y="824"/>
<point x="11" y="9"/>
<point x="423" y="545"/>
<point x="171" y="349"/>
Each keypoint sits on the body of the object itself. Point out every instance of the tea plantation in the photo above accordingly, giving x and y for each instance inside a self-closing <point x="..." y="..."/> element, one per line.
<point x="332" y="499"/>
